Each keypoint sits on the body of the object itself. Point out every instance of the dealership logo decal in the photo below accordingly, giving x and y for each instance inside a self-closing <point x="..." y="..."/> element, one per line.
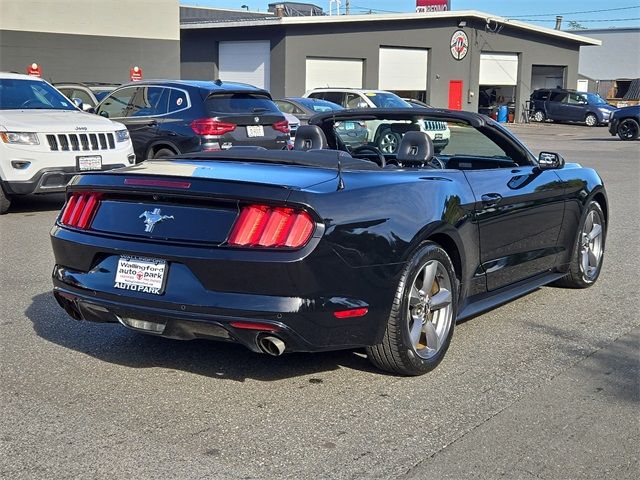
<point x="459" y="44"/>
<point x="153" y="217"/>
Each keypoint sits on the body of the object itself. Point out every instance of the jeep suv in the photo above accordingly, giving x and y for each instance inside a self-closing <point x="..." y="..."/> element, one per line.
<point x="385" y="136"/>
<point x="569" y="106"/>
<point x="45" y="140"/>
<point x="169" y="117"/>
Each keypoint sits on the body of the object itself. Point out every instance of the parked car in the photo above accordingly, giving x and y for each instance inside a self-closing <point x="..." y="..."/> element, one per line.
<point x="351" y="133"/>
<point x="384" y="136"/>
<point x="625" y="122"/>
<point x="320" y="249"/>
<point x="417" y="103"/>
<point x="46" y="140"/>
<point x="90" y="94"/>
<point x="169" y="117"/>
<point x="570" y="106"/>
<point x="294" y="123"/>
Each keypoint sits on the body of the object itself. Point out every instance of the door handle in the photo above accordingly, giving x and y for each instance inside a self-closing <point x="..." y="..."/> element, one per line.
<point x="491" y="199"/>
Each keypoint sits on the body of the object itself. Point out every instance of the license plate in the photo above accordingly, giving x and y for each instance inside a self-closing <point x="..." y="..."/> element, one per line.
<point x="255" y="131"/>
<point x="139" y="274"/>
<point x="438" y="136"/>
<point x="90" y="162"/>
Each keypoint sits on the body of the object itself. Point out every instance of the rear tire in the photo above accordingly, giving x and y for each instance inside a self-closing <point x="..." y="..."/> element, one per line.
<point x="164" y="153"/>
<point x="5" y="201"/>
<point x="628" y="129"/>
<point x="588" y="250"/>
<point x="591" y="120"/>
<point x="420" y="326"/>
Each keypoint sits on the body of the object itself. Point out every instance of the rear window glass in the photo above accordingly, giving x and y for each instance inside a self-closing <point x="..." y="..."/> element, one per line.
<point x="240" y="103"/>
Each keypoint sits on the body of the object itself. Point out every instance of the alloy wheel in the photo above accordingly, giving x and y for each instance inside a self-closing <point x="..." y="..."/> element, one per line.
<point x="591" y="247"/>
<point x="628" y="130"/>
<point x="388" y="143"/>
<point x="430" y="311"/>
<point x="591" y="120"/>
<point x="538" y="116"/>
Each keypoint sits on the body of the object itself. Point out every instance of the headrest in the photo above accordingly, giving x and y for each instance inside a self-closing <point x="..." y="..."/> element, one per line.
<point x="310" y="137"/>
<point x="416" y="149"/>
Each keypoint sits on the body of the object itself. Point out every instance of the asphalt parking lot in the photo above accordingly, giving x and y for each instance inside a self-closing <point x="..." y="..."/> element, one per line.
<point x="544" y="387"/>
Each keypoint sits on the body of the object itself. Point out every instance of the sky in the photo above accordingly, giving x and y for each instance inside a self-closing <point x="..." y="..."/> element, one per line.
<point x="620" y="13"/>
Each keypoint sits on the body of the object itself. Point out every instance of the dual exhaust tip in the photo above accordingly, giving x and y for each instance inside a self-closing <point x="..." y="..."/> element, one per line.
<point x="271" y="345"/>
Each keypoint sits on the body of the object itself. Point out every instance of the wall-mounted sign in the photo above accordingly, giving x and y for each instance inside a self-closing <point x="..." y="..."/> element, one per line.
<point x="425" y="6"/>
<point x="459" y="44"/>
<point x="34" y="70"/>
<point x="135" y="74"/>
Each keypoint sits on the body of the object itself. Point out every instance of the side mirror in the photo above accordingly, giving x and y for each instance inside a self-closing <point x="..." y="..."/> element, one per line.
<point x="78" y="103"/>
<point x="104" y="113"/>
<point x="550" y="161"/>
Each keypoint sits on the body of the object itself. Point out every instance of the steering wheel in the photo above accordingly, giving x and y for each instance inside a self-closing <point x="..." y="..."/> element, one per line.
<point x="436" y="163"/>
<point x="380" y="160"/>
<point x="30" y="101"/>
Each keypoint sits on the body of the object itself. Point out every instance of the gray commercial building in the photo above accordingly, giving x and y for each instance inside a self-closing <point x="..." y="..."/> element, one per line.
<point x="459" y="59"/>
<point x="80" y="40"/>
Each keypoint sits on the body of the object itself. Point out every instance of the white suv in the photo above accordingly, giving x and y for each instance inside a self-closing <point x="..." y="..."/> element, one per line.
<point x="381" y="133"/>
<point x="45" y="139"/>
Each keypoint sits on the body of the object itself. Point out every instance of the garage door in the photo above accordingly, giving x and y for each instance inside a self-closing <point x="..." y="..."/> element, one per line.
<point x="245" y="62"/>
<point x="333" y="72"/>
<point x="403" y="69"/>
<point x="498" y="69"/>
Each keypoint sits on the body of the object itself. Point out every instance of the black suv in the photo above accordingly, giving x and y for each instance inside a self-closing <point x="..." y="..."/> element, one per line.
<point x="168" y="117"/>
<point x="569" y="106"/>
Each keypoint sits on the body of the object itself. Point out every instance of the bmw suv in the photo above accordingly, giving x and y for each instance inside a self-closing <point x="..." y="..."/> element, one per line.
<point x="385" y="136"/>
<point x="169" y="117"/>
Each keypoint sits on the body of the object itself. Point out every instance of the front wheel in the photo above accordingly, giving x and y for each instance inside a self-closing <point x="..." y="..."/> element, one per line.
<point x="388" y="142"/>
<point x="588" y="253"/>
<point x="591" y="120"/>
<point x="5" y="201"/>
<point x="628" y="129"/>
<point x="538" y="116"/>
<point x="420" y="326"/>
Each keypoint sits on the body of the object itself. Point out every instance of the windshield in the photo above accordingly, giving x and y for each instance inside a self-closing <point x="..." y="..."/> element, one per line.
<point x="386" y="100"/>
<point x="18" y="94"/>
<point x="595" y="99"/>
<point x="319" y="105"/>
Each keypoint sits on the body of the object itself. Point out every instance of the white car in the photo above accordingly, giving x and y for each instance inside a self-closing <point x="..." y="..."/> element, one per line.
<point x="382" y="134"/>
<point x="45" y="139"/>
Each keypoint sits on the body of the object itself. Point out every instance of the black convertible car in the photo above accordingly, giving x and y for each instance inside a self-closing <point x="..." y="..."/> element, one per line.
<point x="330" y="246"/>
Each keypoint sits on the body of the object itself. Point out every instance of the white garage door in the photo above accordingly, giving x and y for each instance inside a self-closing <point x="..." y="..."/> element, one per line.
<point x="333" y="72"/>
<point x="498" y="69"/>
<point x="403" y="69"/>
<point x="245" y="62"/>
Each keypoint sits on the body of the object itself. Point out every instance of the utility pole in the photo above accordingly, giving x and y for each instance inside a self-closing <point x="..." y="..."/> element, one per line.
<point x="346" y="7"/>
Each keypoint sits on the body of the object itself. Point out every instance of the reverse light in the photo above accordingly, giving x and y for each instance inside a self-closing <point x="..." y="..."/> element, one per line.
<point x="282" y="126"/>
<point x="20" y="138"/>
<point x="80" y="210"/>
<point x="271" y="227"/>
<point x="210" y="126"/>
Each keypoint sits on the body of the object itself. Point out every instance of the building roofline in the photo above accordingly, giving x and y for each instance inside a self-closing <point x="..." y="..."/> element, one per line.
<point x="286" y="21"/>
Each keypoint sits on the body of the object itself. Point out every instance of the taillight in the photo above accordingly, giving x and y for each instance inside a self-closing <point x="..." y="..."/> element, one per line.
<point x="80" y="210"/>
<point x="271" y="227"/>
<point x="282" y="126"/>
<point x="210" y="126"/>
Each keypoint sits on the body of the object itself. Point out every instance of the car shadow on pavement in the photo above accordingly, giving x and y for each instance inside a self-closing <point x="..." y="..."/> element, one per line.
<point x="116" y="344"/>
<point x="616" y="372"/>
<point x="36" y="203"/>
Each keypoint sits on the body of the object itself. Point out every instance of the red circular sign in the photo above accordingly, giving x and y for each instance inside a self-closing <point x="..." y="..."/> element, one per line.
<point x="459" y="44"/>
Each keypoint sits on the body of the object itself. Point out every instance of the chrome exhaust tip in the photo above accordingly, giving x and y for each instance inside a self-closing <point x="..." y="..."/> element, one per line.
<point x="271" y="345"/>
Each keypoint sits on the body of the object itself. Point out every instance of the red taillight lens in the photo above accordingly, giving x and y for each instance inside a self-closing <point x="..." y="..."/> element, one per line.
<point x="210" y="126"/>
<point x="80" y="210"/>
<point x="282" y="126"/>
<point x="279" y="227"/>
<point x="351" y="313"/>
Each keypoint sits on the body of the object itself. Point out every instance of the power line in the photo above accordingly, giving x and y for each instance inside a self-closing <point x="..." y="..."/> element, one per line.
<point x="574" y="13"/>
<point x="578" y="20"/>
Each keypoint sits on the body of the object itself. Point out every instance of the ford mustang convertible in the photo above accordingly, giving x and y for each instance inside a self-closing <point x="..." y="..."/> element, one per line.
<point x="331" y="245"/>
